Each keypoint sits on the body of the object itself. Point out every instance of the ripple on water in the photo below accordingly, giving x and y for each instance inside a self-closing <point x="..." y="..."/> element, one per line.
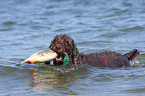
<point x="59" y="69"/>
<point x="6" y="29"/>
<point x="136" y="90"/>
<point x="133" y="29"/>
<point x="9" y="23"/>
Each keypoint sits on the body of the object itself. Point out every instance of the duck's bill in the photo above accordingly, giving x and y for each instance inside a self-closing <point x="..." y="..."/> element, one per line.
<point x="41" y="57"/>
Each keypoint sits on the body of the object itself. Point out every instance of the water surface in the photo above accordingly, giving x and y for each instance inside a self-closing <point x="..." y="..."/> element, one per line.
<point x="27" y="26"/>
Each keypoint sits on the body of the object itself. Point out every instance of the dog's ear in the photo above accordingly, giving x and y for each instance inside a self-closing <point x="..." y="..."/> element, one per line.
<point x="67" y="46"/>
<point x="67" y="43"/>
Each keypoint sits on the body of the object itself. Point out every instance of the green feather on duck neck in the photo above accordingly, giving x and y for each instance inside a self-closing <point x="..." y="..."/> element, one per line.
<point x="66" y="59"/>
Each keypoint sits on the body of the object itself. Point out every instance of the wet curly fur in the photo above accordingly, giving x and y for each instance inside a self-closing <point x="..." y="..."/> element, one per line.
<point x="63" y="44"/>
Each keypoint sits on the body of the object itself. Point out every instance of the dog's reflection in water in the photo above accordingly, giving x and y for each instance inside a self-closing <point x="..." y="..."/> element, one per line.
<point x="42" y="79"/>
<point x="45" y="79"/>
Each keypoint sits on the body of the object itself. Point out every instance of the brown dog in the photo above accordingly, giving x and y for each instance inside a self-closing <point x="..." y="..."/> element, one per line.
<point x="64" y="45"/>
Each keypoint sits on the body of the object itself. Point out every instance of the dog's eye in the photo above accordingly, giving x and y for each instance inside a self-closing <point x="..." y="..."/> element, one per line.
<point x="42" y="54"/>
<point x="57" y="48"/>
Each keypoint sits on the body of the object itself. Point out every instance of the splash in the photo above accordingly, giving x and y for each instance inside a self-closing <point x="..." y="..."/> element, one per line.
<point x="134" y="62"/>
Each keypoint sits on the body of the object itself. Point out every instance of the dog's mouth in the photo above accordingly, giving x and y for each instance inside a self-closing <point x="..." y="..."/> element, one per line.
<point x="60" y="57"/>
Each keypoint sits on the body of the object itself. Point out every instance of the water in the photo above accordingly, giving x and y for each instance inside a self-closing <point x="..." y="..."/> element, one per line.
<point x="27" y="26"/>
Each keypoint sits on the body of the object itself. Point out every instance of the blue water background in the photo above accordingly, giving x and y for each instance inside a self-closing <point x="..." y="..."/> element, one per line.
<point x="27" y="26"/>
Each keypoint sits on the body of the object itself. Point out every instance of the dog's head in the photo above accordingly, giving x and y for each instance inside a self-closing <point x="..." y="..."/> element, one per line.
<point x="65" y="48"/>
